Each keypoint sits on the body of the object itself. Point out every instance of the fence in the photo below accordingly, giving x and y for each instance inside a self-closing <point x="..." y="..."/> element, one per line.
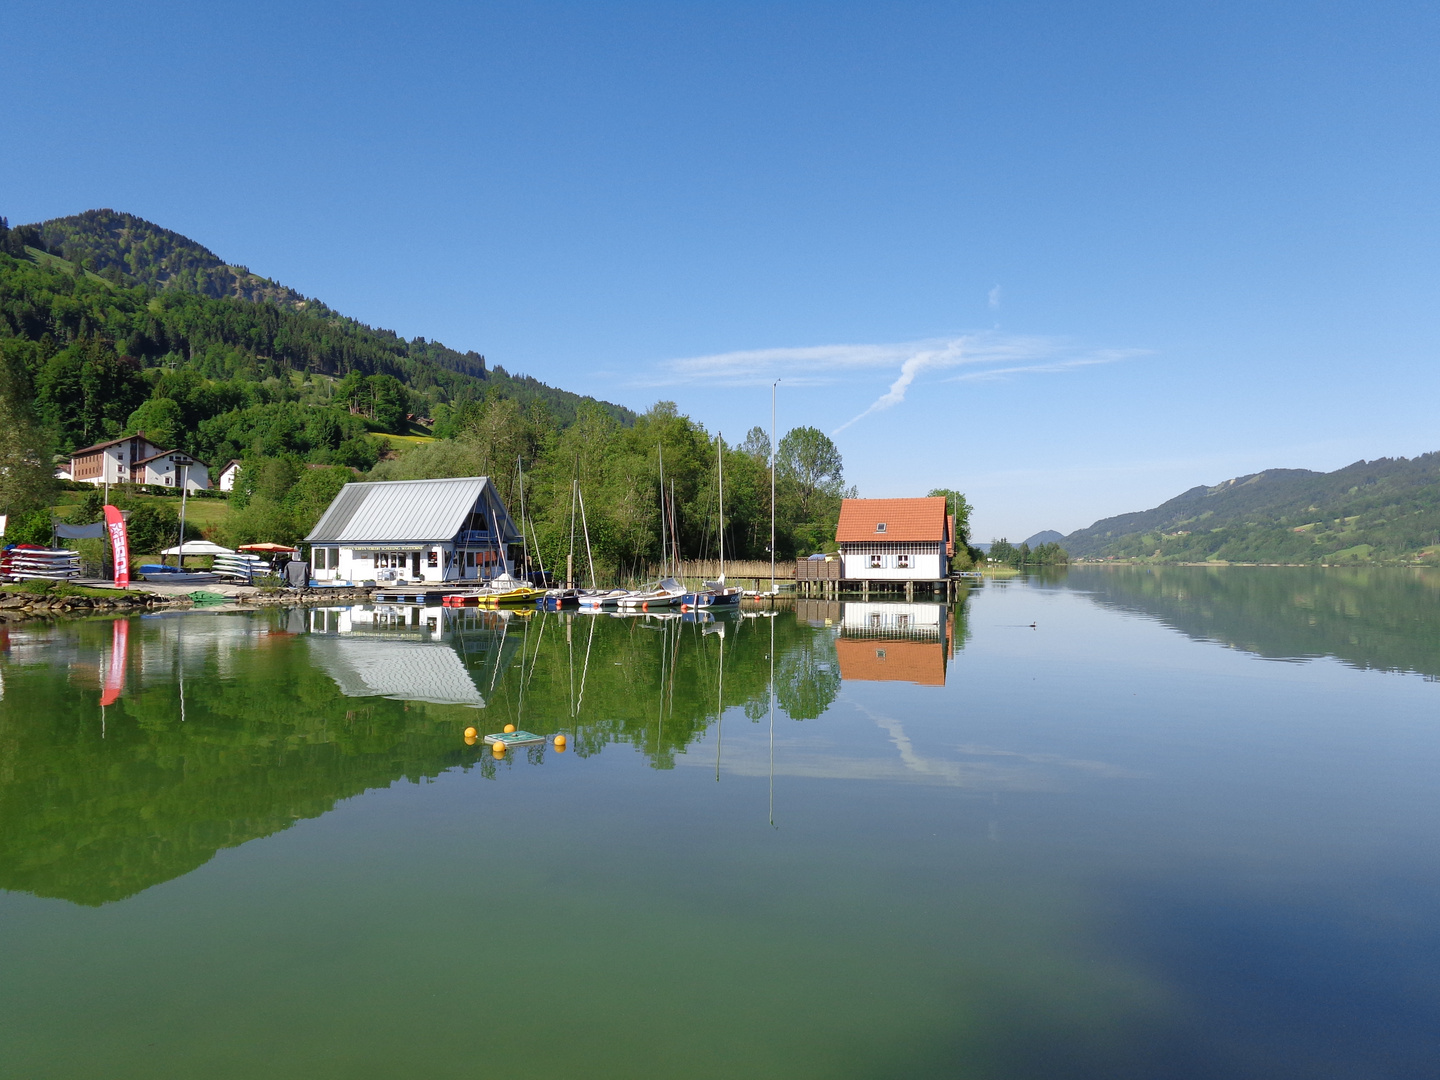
<point x="734" y="568"/>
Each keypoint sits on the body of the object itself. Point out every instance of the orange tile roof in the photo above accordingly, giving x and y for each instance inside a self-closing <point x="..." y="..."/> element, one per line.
<point x="878" y="660"/>
<point x="913" y="520"/>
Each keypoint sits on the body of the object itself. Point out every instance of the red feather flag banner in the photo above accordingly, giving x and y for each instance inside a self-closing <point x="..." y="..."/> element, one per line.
<point x="119" y="544"/>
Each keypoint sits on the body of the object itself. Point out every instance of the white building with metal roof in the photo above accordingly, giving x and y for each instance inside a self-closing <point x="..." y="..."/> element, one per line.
<point x="415" y="531"/>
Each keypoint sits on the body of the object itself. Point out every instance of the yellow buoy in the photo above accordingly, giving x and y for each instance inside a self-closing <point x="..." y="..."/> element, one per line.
<point x="509" y="728"/>
<point x="559" y="742"/>
<point x="470" y="733"/>
<point x="499" y="749"/>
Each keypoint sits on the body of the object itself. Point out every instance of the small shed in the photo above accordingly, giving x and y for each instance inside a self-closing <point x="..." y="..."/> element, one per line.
<point x="415" y="531"/>
<point x="894" y="539"/>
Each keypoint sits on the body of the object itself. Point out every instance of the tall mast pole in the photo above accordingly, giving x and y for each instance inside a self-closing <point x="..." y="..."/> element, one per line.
<point x="772" y="485"/>
<point x="524" y="542"/>
<point x="570" y="559"/>
<point x="663" y="562"/>
<point x="720" y="478"/>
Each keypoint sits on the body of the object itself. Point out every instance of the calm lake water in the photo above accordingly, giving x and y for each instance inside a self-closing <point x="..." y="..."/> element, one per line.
<point x="1122" y="823"/>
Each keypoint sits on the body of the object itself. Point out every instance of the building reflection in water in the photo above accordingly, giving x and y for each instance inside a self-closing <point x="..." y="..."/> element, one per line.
<point x="886" y="641"/>
<point x="445" y="656"/>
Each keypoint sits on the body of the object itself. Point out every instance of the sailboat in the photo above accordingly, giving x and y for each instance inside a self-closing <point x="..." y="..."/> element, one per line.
<point x="667" y="592"/>
<point x="715" y="594"/>
<point x="593" y="598"/>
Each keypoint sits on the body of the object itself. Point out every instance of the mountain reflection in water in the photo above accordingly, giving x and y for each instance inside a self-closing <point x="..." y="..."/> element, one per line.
<point x="1380" y="618"/>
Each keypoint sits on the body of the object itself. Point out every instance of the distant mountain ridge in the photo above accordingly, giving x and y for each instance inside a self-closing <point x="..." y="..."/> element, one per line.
<point x="1382" y="510"/>
<point x="1045" y="536"/>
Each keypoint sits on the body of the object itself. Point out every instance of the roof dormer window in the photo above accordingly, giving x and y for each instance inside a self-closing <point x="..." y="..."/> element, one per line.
<point x="880" y="528"/>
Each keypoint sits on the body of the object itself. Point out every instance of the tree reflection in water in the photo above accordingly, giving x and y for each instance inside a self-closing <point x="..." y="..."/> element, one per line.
<point x="228" y="727"/>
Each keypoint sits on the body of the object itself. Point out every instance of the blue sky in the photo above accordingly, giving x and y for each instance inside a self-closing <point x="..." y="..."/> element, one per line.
<point x="1069" y="258"/>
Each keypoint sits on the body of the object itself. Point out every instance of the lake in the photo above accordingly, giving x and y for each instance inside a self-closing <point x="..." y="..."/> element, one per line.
<point x="1121" y="822"/>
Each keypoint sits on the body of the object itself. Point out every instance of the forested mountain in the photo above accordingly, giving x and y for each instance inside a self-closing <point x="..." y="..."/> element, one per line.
<point x="1382" y="510"/>
<point x="139" y="313"/>
<point x="141" y="252"/>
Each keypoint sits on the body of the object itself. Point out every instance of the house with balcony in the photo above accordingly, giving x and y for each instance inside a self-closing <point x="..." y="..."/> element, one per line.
<point x="172" y="468"/>
<point x="134" y="459"/>
<point x="895" y="540"/>
<point x="407" y="532"/>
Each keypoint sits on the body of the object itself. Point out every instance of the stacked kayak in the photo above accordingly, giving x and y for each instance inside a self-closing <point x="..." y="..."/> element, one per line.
<point x="39" y="564"/>
<point x="241" y="567"/>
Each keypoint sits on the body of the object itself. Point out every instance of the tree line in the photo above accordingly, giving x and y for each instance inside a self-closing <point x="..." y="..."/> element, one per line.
<point x="1007" y="554"/>
<point x="295" y="393"/>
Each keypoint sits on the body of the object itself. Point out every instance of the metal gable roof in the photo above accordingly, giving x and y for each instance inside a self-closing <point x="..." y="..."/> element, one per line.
<point x="392" y="511"/>
<point x="404" y="670"/>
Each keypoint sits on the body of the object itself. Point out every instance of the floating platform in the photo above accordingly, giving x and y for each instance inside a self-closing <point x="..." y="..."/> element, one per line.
<point x="515" y="738"/>
<point x="424" y="597"/>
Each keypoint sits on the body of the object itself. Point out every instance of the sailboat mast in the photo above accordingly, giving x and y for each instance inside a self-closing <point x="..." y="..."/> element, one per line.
<point x="524" y="542"/>
<point x="589" y="555"/>
<point x="570" y="559"/>
<point x="663" y="562"/>
<point x="720" y="476"/>
<point x="772" y="485"/>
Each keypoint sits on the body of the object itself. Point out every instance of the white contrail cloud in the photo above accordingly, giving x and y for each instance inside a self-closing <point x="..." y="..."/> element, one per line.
<point x="984" y="356"/>
<point x="952" y="354"/>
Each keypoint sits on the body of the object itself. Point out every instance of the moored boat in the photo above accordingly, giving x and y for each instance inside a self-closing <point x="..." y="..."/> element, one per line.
<point x="601" y="599"/>
<point x="666" y="593"/>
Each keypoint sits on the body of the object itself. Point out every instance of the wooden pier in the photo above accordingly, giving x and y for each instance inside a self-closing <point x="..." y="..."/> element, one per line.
<point x="821" y="578"/>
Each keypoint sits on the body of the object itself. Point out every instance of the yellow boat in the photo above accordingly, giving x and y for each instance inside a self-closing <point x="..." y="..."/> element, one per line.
<point x="517" y="597"/>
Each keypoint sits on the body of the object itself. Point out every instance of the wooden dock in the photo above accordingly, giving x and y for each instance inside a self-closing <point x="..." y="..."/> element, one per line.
<point x="821" y="578"/>
<point x="411" y="594"/>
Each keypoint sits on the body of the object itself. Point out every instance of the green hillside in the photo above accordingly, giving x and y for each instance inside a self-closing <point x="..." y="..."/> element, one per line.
<point x="1387" y="510"/>
<point x="101" y="313"/>
<point x="146" y="254"/>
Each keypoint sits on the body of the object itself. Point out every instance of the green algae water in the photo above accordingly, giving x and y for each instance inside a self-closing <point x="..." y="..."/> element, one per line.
<point x="1120" y="823"/>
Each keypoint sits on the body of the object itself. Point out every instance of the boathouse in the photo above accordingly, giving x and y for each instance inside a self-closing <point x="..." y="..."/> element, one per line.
<point x="895" y="642"/>
<point x="412" y="531"/>
<point x="901" y="540"/>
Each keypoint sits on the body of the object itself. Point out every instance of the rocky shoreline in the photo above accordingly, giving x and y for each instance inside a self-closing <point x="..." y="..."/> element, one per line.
<point x="292" y="597"/>
<point x="19" y="606"/>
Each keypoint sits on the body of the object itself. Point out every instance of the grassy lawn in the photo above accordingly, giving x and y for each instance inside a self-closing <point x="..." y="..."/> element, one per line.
<point x="54" y="588"/>
<point x="203" y="513"/>
<point x="408" y="440"/>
